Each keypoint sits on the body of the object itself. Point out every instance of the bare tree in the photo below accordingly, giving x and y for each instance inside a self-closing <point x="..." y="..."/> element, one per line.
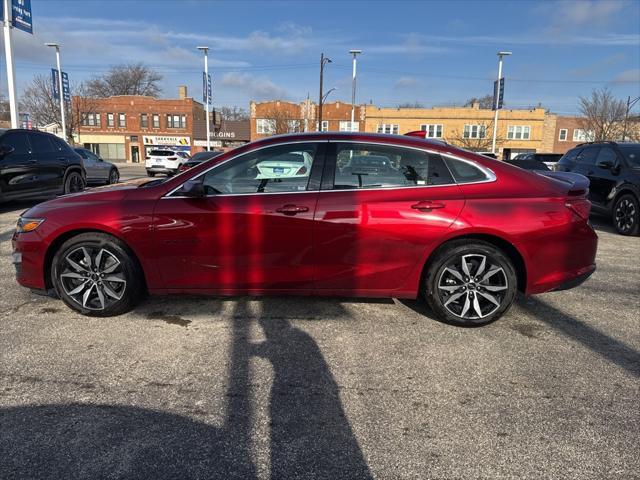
<point x="486" y="102"/>
<point x="281" y="122"/>
<point x="37" y="100"/>
<point x="5" y="111"/>
<point x="233" y="113"/>
<point x="602" y="114"/>
<point x="411" y="105"/>
<point x="479" y="141"/>
<point x="126" y="79"/>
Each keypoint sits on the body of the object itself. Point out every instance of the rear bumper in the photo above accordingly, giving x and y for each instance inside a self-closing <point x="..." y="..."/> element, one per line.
<point x="169" y="171"/>
<point x="576" y="281"/>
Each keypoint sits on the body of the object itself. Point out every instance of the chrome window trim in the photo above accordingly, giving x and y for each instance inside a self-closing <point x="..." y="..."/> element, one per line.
<point x="491" y="176"/>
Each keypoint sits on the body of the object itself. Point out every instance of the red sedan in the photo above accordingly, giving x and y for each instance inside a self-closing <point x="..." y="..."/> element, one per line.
<point x="360" y="215"/>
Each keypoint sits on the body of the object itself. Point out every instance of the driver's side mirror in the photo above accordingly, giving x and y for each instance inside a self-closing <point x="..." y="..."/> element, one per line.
<point x="5" y="150"/>
<point x="193" y="189"/>
<point x="606" y="164"/>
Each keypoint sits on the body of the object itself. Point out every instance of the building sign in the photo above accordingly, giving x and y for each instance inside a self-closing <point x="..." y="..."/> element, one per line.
<point x="166" y="140"/>
<point x="223" y="134"/>
<point x="203" y="143"/>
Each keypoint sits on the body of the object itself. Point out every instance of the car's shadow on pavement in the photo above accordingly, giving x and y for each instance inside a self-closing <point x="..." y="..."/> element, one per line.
<point x="310" y="435"/>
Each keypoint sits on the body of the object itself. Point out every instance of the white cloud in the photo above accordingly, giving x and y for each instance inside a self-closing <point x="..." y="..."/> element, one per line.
<point x="407" y="82"/>
<point x="257" y="87"/>
<point x="628" y="76"/>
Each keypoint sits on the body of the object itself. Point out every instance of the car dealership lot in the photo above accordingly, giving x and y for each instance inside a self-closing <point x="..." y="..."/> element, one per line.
<point x="323" y="388"/>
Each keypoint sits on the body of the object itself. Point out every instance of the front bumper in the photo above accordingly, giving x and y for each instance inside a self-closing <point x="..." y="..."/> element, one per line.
<point x="28" y="259"/>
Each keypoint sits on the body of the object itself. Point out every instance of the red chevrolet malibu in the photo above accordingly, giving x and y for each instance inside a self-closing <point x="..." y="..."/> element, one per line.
<point x="360" y="215"/>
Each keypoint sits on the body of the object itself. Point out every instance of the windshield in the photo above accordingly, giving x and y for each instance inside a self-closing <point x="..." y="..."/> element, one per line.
<point x="631" y="153"/>
<point x="162" y="153"/>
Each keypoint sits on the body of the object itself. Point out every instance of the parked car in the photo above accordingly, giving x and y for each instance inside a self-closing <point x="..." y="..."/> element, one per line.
<point x="459" y="230"/>
<point x="549" y="159"/>
<point x="614" y="173"/>
<point x="36" y="164"/>
<point x="166" y="161"/>
<point x="98" y="171"/>
<point x="199" y="158"/>
<point x="529" y="164"/>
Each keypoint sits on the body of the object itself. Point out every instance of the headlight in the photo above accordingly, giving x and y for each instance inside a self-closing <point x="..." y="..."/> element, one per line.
<point x="28" y="224"/>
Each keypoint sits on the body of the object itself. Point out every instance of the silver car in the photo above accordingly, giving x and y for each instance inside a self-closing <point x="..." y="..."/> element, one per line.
<point x="98" y="170"/>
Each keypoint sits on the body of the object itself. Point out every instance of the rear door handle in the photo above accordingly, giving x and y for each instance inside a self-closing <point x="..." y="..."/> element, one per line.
<point x="292" y="209"/>
<point x="427" y="205"/>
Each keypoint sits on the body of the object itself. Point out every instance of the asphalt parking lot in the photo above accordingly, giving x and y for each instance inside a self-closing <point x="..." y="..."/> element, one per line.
<point x="323" y="388"/>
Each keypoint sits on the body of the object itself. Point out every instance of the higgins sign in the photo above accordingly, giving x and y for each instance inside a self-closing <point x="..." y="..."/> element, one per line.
<point x="166" y="140"/>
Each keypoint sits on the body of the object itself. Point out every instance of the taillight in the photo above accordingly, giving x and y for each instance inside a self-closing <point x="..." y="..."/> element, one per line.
<point x="580" y="206"/>
<point x="302" y="170"/>
<point x="172" y="158"/>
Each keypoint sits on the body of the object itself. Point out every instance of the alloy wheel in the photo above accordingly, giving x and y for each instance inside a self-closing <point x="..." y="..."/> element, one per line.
<point x="75" y="183"/>
<point x="93" y="277"/>
<point x="472" y="286"/>
<point x="625" y="215"/>
<point x="114" y="177"/>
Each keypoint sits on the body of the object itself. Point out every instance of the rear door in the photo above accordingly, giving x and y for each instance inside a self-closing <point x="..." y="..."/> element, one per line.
<point x="376" y="220"/>
<point x="19" y="170"/>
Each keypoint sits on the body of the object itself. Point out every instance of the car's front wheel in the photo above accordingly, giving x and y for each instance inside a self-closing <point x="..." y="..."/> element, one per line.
<point x="96" y="275"/>
<point x="470" y="283"/>
<point x="114" y="176"/>
<point x="626" y="215"/>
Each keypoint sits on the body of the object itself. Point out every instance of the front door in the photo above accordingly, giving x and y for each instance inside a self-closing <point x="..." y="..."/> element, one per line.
<point x="252" y="232"/>
<point x="135" y="154"/>
<point x="19" y="169"/>
<point x="386" y="207"/>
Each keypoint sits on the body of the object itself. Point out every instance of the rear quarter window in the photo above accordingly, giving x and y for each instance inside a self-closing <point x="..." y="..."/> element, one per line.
<point x="465" y="172"/>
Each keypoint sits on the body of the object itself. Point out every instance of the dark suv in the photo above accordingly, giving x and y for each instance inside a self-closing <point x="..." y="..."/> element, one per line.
<point x="37" y="164"/>
<point x="613" y="170"/>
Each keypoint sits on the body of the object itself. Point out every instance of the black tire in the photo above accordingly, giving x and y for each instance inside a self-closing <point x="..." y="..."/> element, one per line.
<point x="114" y="176"/>
<point x="151" y="174"/>
<point x="67" y="278"/>
<point x="73" y="183"/>
<point x="626" y="215"/>
<point x="456" y="301"/>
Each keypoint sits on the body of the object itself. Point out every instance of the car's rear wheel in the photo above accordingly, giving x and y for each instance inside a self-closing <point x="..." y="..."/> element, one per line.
<point x="74" y="183"/>
<point x="151" y="174"/>
<point x="114" y="176"/>
<point x="470" y="283"/>
<point x="626" y="215"/>
<point x="96" y="275"/>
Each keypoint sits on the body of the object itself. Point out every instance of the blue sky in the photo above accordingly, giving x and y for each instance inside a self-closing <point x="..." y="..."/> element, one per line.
<point x="431" y="52"/>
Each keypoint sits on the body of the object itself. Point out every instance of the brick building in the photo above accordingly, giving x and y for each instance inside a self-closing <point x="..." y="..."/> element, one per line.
<point x="277" y="117"/>
<point x="569" y="133"/>
<point x="126" y="127"/>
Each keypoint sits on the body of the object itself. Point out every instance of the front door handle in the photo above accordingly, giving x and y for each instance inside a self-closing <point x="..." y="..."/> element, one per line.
<point x="292" y="209"/>
<point x="427" y="205"/>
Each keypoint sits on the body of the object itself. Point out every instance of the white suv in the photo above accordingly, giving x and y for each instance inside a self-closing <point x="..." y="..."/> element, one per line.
<point x="164" y="160"/>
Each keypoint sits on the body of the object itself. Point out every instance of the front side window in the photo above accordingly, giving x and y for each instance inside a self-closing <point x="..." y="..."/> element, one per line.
<point x="391" y="128"/>
<point x="432" y="130"/>
<point x="474" y="131"/>
<point x="42" y="144"/>
<point x="519" y="132"/>
<point x="381" y="166"/>
<point x="122" y="120"/>
<point x="588" y="156"/>
<point x="631" y="153"/>
<point x="280" y="169"/>
<point x="562" y="135"/>
<point x="265" y="126"/>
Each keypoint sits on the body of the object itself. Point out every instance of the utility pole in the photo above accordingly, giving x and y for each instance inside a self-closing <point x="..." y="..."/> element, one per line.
<point x="11" y="74"/>
<point x="630" y="104"/>
<point x="323" y="61"/>
<point x="62" y="117"/>
<point x="206" y="92"/>
<point x="353" y="87"/>
<point x="497" y="100"/>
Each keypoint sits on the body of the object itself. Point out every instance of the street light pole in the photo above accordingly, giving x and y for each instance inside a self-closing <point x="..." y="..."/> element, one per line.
<point x="323" y="60"/>
<point x="62" y="117"/>
<point x="11" y="73"/>
<point x="353" y="87"/>
<point x="630" y="104"/>
<point x="496" y="101"/>
<point x="206" y="92"/>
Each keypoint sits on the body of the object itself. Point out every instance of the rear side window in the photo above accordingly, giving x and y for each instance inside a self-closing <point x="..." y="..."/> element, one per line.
<point x="381" y="166"/>
<point x="465" y="172"/>
<point x="631" y="153"/>
<point x="18" y="141"/>
<point x="588" y="156"/>
<point x="42" y="144"/>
